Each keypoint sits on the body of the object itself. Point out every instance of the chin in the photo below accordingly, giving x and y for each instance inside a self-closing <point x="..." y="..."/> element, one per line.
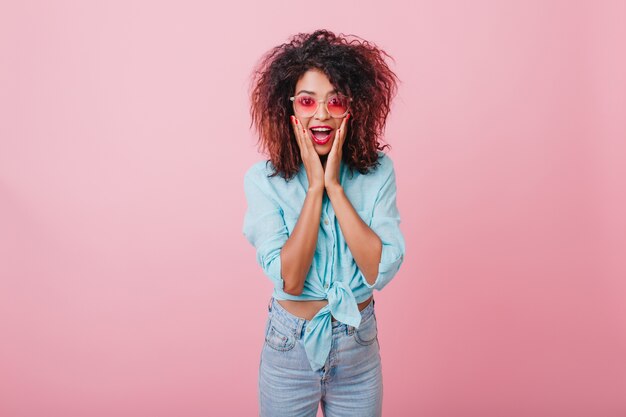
<point x="325" y="148"/>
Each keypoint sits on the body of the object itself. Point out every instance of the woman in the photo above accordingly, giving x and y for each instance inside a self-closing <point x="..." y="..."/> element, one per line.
<point x="322" y="216"/>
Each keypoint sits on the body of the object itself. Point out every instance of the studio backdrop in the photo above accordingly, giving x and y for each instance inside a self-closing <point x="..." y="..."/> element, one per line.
<point x="128" y="289"/>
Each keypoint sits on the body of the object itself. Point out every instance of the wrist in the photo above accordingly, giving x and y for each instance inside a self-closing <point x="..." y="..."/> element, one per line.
<point x="334" y="189"/>
<point x="316" y="188"/>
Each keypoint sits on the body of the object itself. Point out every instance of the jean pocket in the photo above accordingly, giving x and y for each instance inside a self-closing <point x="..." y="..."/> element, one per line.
<point x="367" y="332"/>
<point x="279" y="339"/>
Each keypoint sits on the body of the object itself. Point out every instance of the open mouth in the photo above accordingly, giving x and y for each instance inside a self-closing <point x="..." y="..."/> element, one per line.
<point x="321" y="135"/>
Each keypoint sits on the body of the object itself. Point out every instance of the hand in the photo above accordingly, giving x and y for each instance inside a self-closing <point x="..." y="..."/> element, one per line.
<point x="310" y="158"/>
<point x="333" y="162"/>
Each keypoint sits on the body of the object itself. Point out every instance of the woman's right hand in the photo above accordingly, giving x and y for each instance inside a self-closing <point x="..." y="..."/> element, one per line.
<point x="310" y="158"/>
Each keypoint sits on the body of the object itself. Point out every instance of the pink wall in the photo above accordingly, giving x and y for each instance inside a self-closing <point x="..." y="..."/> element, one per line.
<point x="127" y="288"/>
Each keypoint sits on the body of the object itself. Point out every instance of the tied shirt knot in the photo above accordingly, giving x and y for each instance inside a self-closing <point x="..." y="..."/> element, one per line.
<point x="319" y="331"/>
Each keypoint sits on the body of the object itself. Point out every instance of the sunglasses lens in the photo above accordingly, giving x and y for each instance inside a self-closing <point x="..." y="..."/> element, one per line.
<point x="305" y="105"/>
<point x="337" y="105"/>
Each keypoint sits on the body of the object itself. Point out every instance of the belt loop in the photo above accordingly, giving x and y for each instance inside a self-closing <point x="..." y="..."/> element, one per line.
<point x="269" y="305"/>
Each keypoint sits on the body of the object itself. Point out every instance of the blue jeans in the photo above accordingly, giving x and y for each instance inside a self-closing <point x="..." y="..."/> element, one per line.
<point x="350" y="383"/>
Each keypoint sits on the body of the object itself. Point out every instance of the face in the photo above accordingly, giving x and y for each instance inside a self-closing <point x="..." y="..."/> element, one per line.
<point x="317" y="85"/>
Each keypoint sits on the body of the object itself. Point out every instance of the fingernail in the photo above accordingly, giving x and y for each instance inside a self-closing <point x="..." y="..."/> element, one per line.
<point x="296" y="120"/>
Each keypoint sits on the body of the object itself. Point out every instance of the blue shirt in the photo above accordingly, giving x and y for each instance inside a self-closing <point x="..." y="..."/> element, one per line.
<point x="274" y="205"/>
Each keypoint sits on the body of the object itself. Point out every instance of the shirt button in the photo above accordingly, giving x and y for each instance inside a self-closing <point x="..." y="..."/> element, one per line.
<point x="326" y="222"/>
<point x="308" y="329"/>
<point x="326" y="286"/>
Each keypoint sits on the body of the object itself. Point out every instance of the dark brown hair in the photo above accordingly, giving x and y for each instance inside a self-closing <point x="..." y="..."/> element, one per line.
<point x="354" y="67"/>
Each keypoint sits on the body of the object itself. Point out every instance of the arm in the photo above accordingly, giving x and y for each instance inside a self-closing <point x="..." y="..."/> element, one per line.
<point x="378" y="248"/>
<point x="365" y="245"/>
<point x="297" y="253"/>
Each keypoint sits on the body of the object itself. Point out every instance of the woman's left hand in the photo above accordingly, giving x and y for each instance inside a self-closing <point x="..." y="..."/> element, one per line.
<point x="331" y="171"/>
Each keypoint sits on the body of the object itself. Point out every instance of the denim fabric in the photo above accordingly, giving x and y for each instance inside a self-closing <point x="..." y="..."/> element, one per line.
<point x="349" y="384"/>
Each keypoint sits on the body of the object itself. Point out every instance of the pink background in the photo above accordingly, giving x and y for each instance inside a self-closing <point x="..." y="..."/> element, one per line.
<point x="127" y="288"/>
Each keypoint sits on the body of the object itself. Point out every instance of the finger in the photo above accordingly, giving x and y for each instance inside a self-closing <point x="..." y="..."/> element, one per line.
<point x="337" y="139"/>
<point x="344" y="130"/>
<point x="340" y="136"/>
<point x="296" y="131"/>
<point x="307" y="139"/>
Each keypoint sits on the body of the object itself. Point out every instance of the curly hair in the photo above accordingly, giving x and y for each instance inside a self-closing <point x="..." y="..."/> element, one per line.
<point x="354" y="66"/>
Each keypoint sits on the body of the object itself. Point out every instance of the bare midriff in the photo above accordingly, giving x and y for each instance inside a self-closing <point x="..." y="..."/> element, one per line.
<point x="309" y="308"/>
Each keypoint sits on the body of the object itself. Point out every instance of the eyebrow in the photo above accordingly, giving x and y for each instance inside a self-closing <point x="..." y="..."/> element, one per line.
<point x="314" y="94"/>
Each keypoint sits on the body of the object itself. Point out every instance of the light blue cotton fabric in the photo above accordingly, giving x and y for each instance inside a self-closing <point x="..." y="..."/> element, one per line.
<point x="274" y="205"/>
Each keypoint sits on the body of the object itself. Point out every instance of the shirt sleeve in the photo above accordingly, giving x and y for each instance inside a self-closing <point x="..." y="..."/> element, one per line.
<point x="264" y="227"/>
<point x="385" y="223"/>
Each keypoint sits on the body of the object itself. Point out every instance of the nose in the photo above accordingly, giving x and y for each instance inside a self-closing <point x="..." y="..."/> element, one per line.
<point x="321" y="113"/>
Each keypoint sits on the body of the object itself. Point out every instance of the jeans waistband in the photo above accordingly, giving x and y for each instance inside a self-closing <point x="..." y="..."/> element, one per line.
<point x="298" y="324"/>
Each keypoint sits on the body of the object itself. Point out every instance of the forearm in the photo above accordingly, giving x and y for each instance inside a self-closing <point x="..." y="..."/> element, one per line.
<point x="297" y="253"/>
<point x="364" y="243"/>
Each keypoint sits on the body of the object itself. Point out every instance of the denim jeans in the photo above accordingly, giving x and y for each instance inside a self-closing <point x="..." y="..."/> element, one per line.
<point x="350" y="383"/>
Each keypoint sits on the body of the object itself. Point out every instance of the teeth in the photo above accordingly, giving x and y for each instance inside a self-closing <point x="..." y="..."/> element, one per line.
<point x="315" y="129"/>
